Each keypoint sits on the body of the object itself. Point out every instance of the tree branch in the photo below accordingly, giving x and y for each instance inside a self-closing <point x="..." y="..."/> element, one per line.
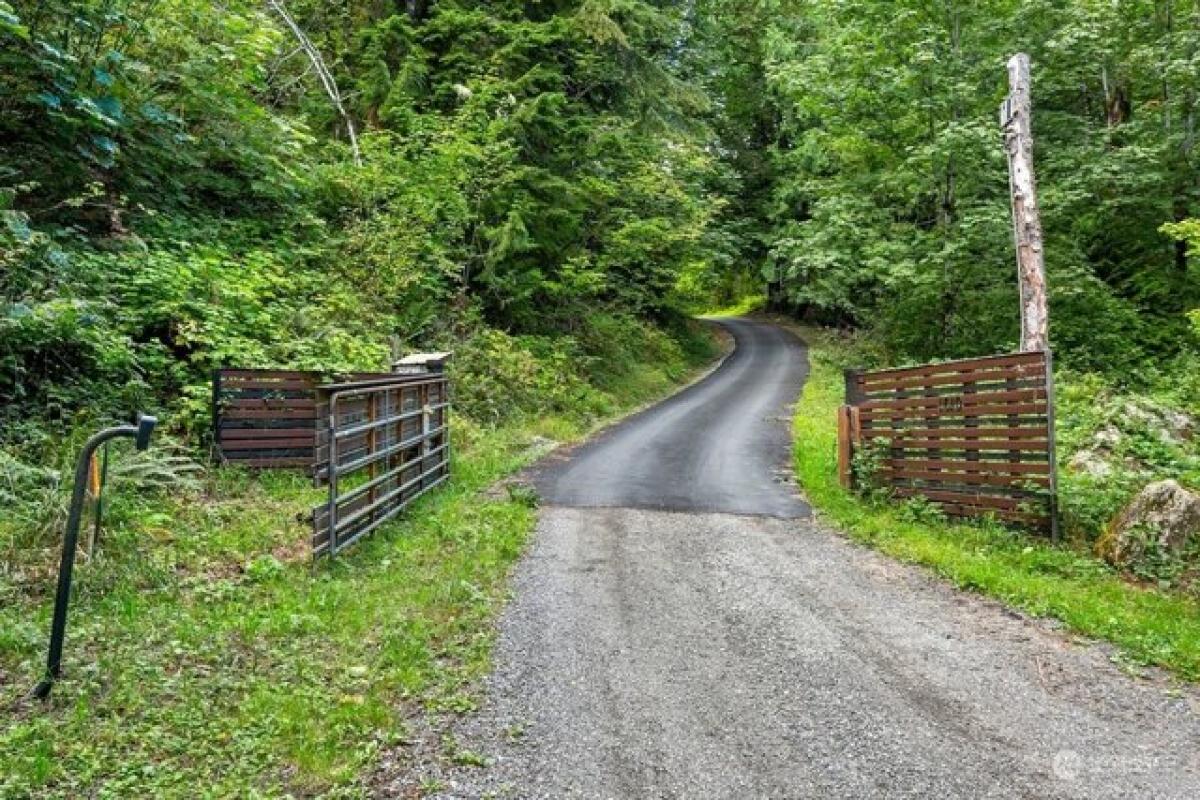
<point x="323" y="73"/>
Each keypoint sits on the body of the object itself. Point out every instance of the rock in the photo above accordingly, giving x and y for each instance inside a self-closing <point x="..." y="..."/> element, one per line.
<point x="1164" y="519"/>
<point x="1181" y="426"/>
<point x="1090" y="462"/>
<point x="1171" y="426"/>
<point x="1107" y="438"/>
<point x="1137" y="413"/>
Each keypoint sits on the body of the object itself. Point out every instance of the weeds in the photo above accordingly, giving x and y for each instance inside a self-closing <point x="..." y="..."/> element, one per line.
<point x="1149" y="625"/>
<point x="208" y="655"/>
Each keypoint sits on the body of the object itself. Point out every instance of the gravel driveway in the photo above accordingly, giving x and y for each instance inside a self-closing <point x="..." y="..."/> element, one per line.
<point x="670" y="639"/>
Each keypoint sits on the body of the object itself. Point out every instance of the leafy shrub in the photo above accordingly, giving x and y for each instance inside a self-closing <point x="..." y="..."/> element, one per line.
<point x="61" y="353"/>
<point x="498" y="377"/>
<point x="922" y="511"/>
<point x="1124" y="428"/>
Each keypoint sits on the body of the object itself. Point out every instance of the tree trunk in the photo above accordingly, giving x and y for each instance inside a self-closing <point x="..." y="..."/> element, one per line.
<point x="1117" y="105"/>
<point x="323" y="73"/>
<point x="416" y="9"/>
<point x="1027" y="225"/>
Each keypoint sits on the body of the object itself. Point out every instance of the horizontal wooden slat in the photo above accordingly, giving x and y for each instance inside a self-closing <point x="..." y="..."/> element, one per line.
<point x="979" y="478"/>
<point x="991" y="467"/>
<point x="260" y="383"/>
<point x="905" y="443"/>
<point x="968" y="499"/>
<point x="964" y="432"/>
<point x="965" y="365"/>
<point x="285" y="461"/>
<point x="229" y="434"/>
<point x="267" y="444"/>
<point x="953" y="391"/>
<point x="247" y="413"/>
<point x="971" y="381"/>
<point x="952" y="429"/>
<point x="272" y="403"/>
<point x="968" y="412"/>
<point x="267" y="374"/>
<point x="950" y="402"/>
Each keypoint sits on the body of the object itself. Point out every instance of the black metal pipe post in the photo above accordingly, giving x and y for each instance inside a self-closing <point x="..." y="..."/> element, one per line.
<point x="140" y="433"/>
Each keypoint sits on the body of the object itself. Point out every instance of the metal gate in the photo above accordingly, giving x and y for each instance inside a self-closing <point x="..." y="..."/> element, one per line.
<point x="380" y="445"/>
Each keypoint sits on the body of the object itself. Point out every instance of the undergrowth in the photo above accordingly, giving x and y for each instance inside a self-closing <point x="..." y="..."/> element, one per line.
<point x="207" y="656"/>
<point x="1150" y="625"/>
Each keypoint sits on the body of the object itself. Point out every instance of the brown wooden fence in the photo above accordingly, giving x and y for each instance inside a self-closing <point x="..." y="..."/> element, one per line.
<point x="976" y="436"/>
<point x="267" y="418"/>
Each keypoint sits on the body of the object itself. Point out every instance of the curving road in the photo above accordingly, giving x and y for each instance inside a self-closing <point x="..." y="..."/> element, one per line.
<point x="719" y="445"/>
<point x="730" y="647"/>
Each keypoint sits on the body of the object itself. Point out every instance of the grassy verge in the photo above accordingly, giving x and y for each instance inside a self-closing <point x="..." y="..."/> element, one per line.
<point x="747" y="305"/>
<point x="1149" y="626"/>
<point x="207" y="657"/>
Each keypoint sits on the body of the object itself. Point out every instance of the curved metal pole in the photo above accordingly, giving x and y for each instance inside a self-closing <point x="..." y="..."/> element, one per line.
<point x="58" y="627"/>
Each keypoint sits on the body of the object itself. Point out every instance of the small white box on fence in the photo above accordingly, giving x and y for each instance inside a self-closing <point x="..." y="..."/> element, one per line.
<point x="421" y="363"/>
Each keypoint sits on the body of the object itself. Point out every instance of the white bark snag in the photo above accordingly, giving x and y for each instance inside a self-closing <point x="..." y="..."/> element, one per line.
<point x="323" y="73"/>
<point x="1027" y="224"/>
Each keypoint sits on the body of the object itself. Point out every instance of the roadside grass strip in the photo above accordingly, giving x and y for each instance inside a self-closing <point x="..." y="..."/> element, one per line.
<point x="207" y="656"/>
<point x="1149" y="626"/>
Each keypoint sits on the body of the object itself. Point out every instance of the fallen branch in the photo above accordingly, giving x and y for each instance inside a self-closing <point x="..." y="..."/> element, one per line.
<point x="323" y="73"/>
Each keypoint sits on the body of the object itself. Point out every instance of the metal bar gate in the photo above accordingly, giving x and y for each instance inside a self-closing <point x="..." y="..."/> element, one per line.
<point x="380" y="445"/>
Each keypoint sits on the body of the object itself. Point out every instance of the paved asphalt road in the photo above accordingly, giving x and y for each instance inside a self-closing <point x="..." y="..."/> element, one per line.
<point x="730" y="647"/>
<point x="720" y="445"/>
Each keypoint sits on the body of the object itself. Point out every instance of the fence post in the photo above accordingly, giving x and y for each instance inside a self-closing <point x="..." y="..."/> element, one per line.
<point x="845" y="448"/>
<point x="849" y="431"/>
<point x="216" y="414"/>
<point x="855" y="395"/>
<point x="1051" y="446"/>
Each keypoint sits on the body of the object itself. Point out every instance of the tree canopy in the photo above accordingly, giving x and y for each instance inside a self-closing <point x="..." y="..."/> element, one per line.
<point x="177" y="187"/>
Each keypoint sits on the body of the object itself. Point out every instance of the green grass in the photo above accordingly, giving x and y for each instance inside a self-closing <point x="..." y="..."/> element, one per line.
<point x="1149" y="626"/>
<point x="207" y="657"/>
<point x="747" y="305"/>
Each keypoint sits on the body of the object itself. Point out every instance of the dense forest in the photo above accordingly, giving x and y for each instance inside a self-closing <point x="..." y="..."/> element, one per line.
<point x="186" y="184"/>
<point x="888" y="200"/>
<point x="180" y="192"/>
<point x="552" y="189"/>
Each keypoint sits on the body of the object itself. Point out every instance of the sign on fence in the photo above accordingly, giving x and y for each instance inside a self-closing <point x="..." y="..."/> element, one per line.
<point x="975" y="437"/>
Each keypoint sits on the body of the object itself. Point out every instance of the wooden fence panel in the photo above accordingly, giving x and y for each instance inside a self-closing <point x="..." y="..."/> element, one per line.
<point x="267" y="418"/>
<point x="974" y="436"/>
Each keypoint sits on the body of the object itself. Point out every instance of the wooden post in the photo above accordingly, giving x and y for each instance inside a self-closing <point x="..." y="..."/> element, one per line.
<point x="1052" y="447"/>
<point x="1027" y="224"/>
<point x="854" y="390"/>
<point x="845" y="448"/>
<point x="1015" y="119"/>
